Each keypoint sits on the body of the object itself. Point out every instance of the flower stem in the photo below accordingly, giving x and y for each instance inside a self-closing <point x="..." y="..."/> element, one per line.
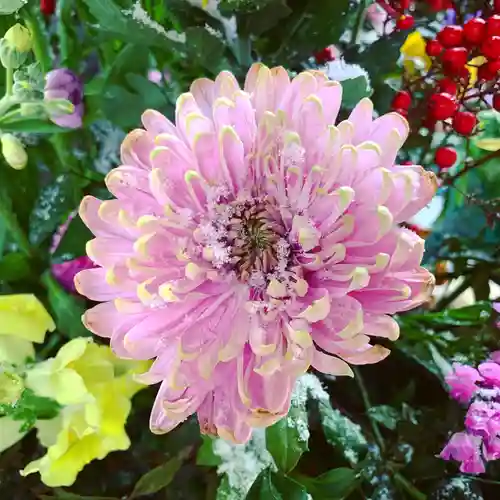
<point x="366" y="401"/>
<point x="360" y="19"/>
<point x="9" y="80"/>
<point x="408" y="487"/>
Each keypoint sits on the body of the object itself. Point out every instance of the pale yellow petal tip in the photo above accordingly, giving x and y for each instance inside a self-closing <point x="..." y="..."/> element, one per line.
<point x="317" y="311"/>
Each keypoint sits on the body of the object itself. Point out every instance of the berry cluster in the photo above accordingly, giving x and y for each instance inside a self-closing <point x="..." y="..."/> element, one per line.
<point x="464" y="78"/>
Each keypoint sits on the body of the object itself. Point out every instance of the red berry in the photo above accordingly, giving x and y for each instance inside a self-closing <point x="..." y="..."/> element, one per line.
<point x="402" y="100"/>
<point x="405" y="23"/>
<point x="433" y="48"/>
<point x="493" y="69"/>
<point x="407" y="162"/>
<point x="47" y="7"/>
<point x="445" y="157"/>
<point x="402" y="112"/>
<point x="464" y="123"/>
<point x="451" y="36"/>
<point x="323" y="56"/>
<point x="442" y="106"/>
<point x="496" y="102"/>
<point x="491" y="47"/>
<point x="493" y="25"/>
<point x="448" y="86"/>
<point x="475" y="30"/>
<point x="455" y="59"/>
<point x="436" y="5"/>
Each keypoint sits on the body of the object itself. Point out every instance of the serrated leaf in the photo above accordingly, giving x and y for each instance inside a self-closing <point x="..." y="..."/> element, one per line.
<point x="335" y="484"/>
<point x="157" y="479"/>
<point x="271" y="486"/>
<point x="288" y="438"/>
<point x="68" y="309"/>
<point x="123" y="23"/>
<point x="342" y="433"/>
<point x="385" y="415"/>
<point x="53" y="205"/>
<point x="206" y="455"/>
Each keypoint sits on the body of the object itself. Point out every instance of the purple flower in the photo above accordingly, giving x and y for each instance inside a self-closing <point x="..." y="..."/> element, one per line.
<point x="466" y="449"/>
<point x="64" y="84"/>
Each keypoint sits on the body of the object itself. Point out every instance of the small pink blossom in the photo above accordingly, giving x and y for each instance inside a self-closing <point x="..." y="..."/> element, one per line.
<point x="465" y="448"/>
<point x="252" y="239"/>
<point x="462" y="382"/>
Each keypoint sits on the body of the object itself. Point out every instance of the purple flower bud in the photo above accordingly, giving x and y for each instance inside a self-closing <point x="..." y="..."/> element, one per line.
<point x="64" y="84"/>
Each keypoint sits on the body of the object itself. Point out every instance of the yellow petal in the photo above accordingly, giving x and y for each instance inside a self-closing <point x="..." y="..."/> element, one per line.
<point x="15" y="350"/>
<point x="25" y="317"/>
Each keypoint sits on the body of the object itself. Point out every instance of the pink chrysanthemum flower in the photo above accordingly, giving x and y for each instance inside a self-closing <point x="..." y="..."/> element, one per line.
<point x="252" y="240"/>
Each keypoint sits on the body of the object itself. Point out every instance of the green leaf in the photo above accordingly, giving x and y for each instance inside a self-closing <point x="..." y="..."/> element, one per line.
<point x="30" y="408"/>
<point x="206" y="455"/>
<point x="33" y="126"/>
<point x="332" y="485"/>
<point x="354" y="90"/>
<point x="157" y="479"/>
<point x="288" y="438"/>
<point x="385" y="415"/>
<point x="53" y="206"/>
<point x="342" y="433"/>
<point x="66" y="495"/>
<point x="474" y="315"/>
<point x="271" y="486"/>
<point x="68" y="309"/>
<point x="123" y="24"/>
<point x="226" y="492"/>
<point x="14" y="266"/>
<point x="261" y="18"/>
<point x="204" y="48"/>
<point x="10" y="6"/>
<point x="73" y="242"/>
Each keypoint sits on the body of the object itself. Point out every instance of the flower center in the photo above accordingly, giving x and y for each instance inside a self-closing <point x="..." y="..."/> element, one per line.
<point x="247" y="238"/>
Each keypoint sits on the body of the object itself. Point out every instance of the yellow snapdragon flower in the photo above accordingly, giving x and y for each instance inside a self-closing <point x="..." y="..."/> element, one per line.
<point x="23" y="320"/>
<point x="95" y="389"/>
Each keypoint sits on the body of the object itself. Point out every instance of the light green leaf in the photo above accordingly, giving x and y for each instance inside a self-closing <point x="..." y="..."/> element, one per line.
<point x="288" y="438"/>
<point x="488" y="144"/>
<point x="33" y="126"/>
<point x="157" y="478"/>
<point x="11" y="6"/>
